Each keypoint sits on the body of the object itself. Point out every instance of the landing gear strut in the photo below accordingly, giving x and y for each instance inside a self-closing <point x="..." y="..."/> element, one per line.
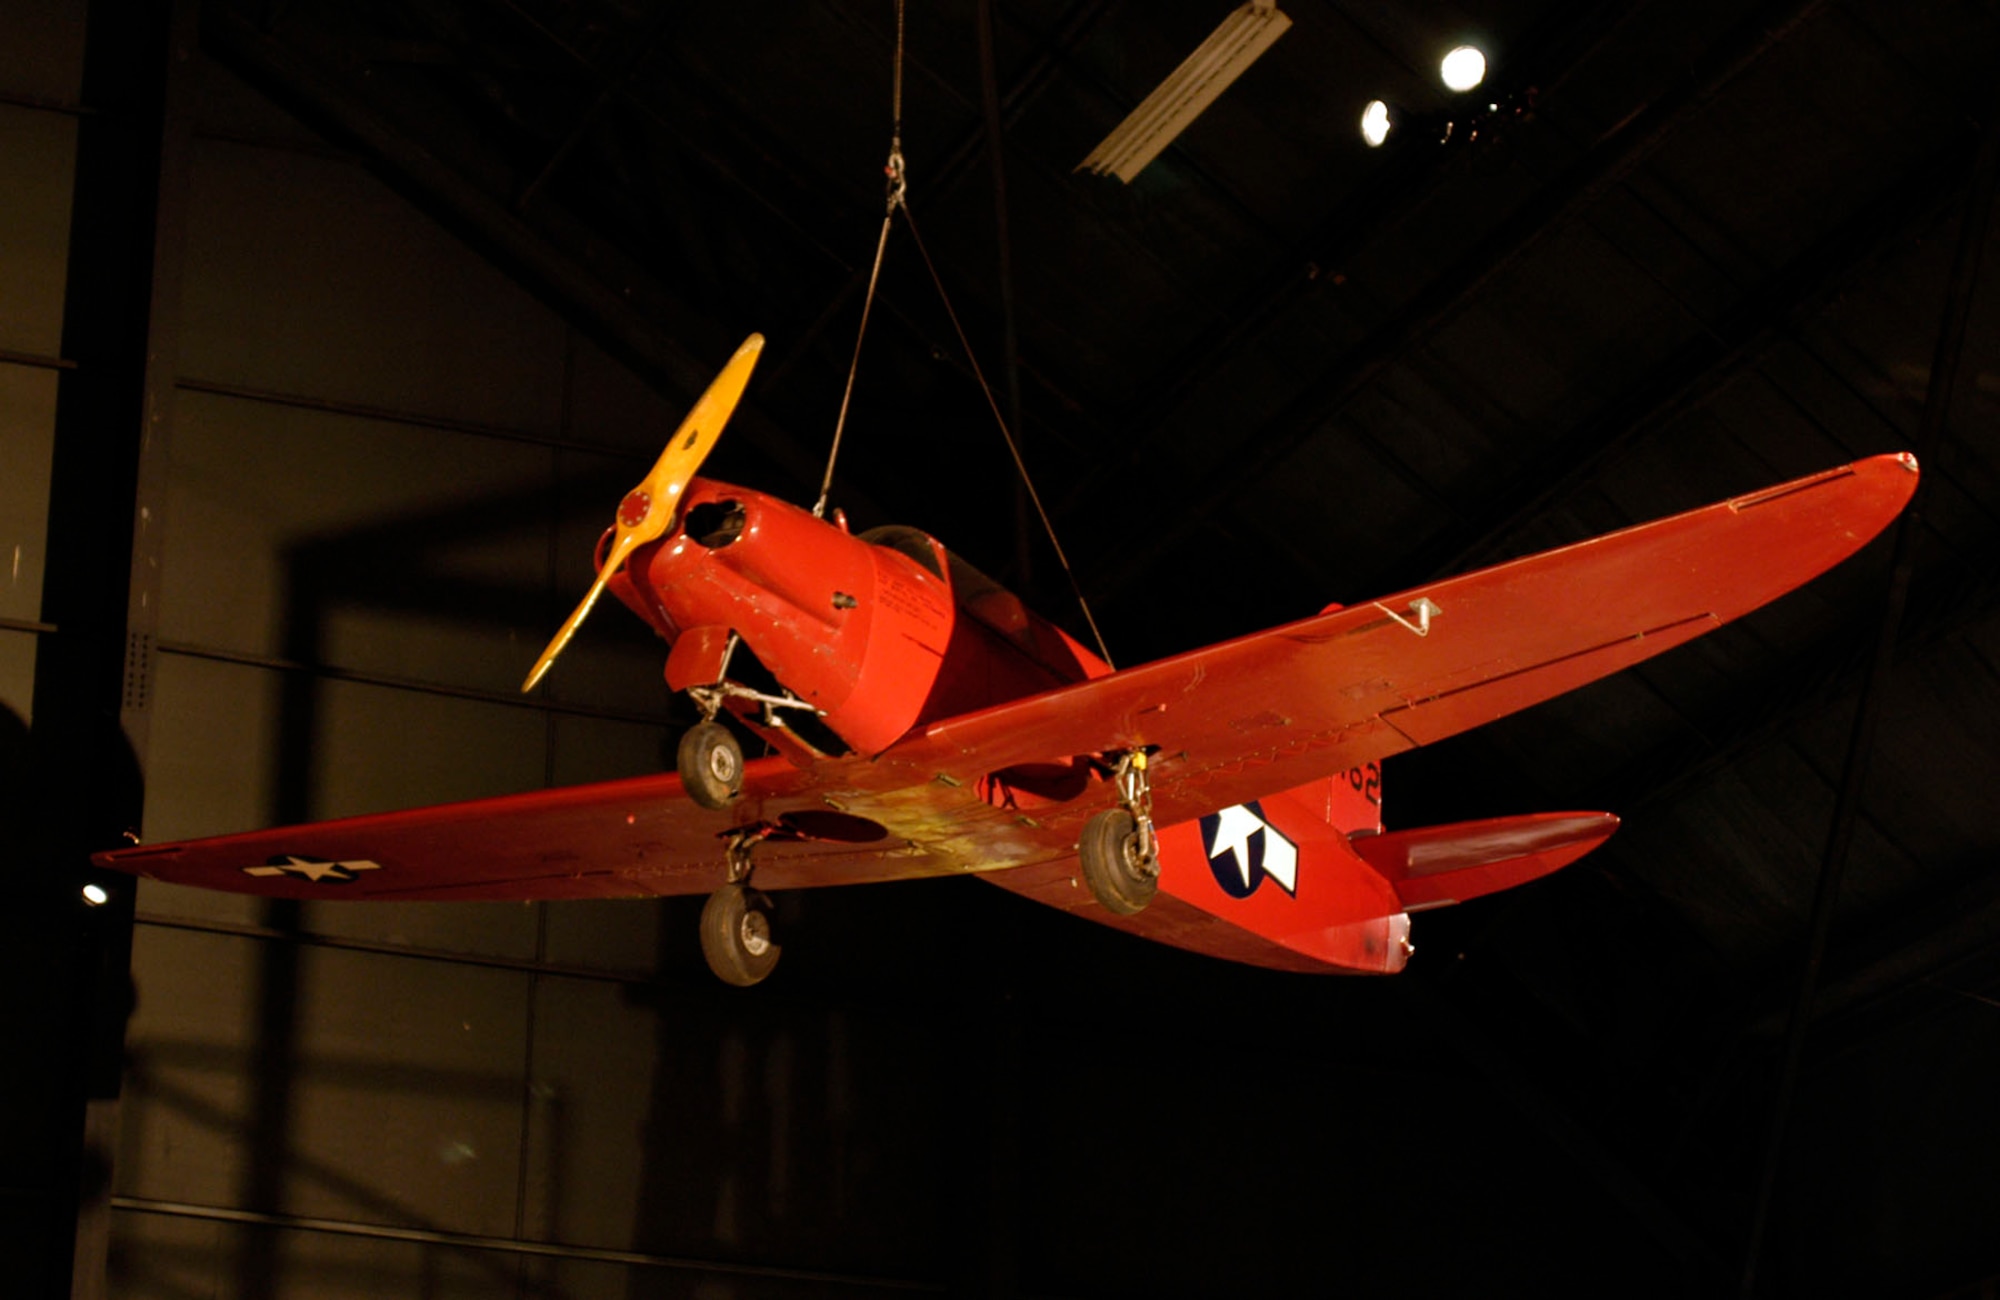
<point x="1120" y="854"/>
<point x="710" y="760"/>
<point x="736" y="922"/>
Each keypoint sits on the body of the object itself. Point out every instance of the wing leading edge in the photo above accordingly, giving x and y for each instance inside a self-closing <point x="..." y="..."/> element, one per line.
<point x="1231" y="722"/>
<point x="635" y="838"/>
<point x="1278" y="708"/>
<point x="1297" y="703"/>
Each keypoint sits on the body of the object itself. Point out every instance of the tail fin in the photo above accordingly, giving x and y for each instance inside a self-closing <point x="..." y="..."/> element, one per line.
<point x="1353" y="800"/>
<point x="1305" y="879"/>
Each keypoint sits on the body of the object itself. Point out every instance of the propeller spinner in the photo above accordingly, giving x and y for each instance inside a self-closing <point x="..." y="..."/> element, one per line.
<point x="647" y="511"/>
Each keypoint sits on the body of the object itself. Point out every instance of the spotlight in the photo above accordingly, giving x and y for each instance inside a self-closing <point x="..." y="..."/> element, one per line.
<point x="1377" y="121"/>
<point x="1463" y="68"/>
<point x="95" y="895"/>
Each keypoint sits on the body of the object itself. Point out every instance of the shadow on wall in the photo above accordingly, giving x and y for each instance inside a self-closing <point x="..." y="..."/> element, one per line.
<point x="379" y="566"/>
<point x="13" y="767"/>
<point x="384" y="566"/>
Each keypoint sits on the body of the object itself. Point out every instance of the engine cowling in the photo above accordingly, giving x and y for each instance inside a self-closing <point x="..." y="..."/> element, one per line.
<point x="855" y="630"/>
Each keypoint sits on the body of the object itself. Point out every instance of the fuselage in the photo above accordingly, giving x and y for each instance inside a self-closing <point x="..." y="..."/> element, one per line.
<point x="878" y="633"/>
<point x="884" y="632"/>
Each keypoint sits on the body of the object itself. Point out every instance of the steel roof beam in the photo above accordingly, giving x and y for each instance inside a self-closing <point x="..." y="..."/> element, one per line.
<point x="954" y="166"/>
<point x="1700" y="1269"/>
<point x="1698" y="370"/>
<point x="1405" y="180"/>
<point x="1974" y="229"/>
<point x="1605" y="165"/>
<point x="626" y="323"/>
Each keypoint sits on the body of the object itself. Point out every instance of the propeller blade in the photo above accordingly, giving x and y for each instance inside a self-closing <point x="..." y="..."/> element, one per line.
<point x="648" y="511"/>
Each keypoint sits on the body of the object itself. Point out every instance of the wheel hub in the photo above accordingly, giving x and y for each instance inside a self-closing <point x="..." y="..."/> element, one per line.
<point x="755" y="932"/>
<point x="1138" y="864"/>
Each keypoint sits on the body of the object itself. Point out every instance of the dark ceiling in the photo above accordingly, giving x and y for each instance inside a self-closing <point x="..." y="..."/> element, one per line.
<point x="1699" y="247"/>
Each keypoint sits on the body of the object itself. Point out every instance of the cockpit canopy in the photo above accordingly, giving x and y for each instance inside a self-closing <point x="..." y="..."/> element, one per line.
<point x="993" y="605"/>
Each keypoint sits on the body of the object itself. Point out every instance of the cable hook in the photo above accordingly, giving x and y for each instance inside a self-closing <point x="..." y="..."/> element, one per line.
<point x="899" y="180"/>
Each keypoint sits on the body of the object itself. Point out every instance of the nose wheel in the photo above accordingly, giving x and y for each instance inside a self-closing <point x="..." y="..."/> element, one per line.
<point x="711" y="765"/>
<point x="710" y="760"/>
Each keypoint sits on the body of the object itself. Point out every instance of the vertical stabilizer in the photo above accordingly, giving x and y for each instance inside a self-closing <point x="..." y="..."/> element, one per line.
<point x="1354" y="800"/>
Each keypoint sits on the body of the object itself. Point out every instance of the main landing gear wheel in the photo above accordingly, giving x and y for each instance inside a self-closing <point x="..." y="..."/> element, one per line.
<point x="1119" y="876"/>
<point x="736" y="936"/>
<point x="711" y="765"/>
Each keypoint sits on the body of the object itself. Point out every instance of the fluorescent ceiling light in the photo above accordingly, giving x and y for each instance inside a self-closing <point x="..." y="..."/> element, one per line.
<point x="1182" y="97"/>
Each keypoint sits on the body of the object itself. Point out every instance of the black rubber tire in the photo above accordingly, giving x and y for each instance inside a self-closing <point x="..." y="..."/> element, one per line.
<point x="736" y="936"/>
<point x="1111" y="866"/>
<point x="711" y="765"/>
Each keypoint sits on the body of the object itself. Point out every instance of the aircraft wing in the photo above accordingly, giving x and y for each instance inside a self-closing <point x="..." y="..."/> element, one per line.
<point x="1231" y="723"/>
<point x="614" y="839"/>
<point x="1276" y="709"/>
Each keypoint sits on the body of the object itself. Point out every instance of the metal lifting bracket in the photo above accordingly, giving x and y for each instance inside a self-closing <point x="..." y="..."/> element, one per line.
<point x="1423" y="607"/>
<point x="1134" y="783"/>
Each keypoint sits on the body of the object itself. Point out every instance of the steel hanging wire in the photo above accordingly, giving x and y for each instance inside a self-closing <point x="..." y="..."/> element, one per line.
<point x="897" y="181"/>
<point x="853" y="366"/>
<point x="898" y="200"/>
<point x="1013" y="448"/>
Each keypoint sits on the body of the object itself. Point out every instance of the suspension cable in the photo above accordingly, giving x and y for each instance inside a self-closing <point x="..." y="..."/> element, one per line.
<point x="853" y="366"/>
<point x="898" y="183"/>
<point x="898" y="199"/>
<point x="1007" y="434"/>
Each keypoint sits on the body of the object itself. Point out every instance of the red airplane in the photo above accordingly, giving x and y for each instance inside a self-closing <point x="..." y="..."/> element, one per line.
<point x="926" y="723"/>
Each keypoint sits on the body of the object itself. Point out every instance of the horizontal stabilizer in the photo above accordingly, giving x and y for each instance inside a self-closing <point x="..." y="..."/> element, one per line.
<point x="1436" y="865"/>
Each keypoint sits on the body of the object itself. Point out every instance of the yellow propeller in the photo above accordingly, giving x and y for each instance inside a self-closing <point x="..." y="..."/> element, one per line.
<point x="647" y="511"/>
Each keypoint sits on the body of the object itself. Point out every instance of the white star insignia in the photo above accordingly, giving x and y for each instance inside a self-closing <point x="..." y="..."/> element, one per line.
<point x="313" y="869"/>
<point x="1233" y="828"/>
